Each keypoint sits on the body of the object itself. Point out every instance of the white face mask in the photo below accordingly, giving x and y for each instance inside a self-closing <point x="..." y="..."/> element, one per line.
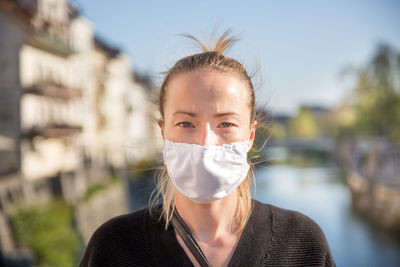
<point x="206" y="173"/>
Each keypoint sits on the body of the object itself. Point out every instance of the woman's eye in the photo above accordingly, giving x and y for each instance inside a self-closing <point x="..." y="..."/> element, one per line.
<point x="185" y="124"/>
<point x="226" y="125"/>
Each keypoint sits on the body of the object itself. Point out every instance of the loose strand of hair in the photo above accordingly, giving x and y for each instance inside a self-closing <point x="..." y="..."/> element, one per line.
<point x="225" y="42"/>
<point x="190" y="36"/>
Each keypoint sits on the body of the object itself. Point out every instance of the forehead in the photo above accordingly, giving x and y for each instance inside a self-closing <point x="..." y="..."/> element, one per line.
<point x="207" y="91"/>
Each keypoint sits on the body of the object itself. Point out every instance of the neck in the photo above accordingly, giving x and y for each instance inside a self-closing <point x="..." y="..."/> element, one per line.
<point x="210" y="221"/>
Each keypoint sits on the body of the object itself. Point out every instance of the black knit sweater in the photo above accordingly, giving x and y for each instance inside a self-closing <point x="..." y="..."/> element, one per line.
<point x="272" y="237"/>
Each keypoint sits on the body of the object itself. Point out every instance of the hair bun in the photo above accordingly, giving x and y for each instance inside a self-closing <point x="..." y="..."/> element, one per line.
<point x="224" y="42"/>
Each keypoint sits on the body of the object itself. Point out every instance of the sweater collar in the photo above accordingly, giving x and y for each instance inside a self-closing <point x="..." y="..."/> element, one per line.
<point x="250" y="251"/>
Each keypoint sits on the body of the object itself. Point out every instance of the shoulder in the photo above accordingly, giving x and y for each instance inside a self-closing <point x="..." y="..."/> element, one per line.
<point x="288" y="220"/>
<point x="121" y="238"/>
<point x="294" y="220"/>
<point x="129" y="222"/>
<point x="296" y="236"/>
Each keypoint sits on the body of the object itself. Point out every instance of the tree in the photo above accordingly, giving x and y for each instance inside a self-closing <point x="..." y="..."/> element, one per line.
<point x="304" y="124"/>
<point x="377" y="94"/>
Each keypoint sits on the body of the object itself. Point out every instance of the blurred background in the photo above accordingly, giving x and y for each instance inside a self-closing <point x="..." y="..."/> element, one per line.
<point x="79" y="142"/>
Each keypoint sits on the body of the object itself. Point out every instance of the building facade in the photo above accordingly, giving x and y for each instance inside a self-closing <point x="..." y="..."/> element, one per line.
<point x="70" y="106"/>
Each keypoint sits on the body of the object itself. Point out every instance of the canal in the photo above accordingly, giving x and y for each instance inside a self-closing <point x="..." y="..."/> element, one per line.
<point x="320" y="193"/>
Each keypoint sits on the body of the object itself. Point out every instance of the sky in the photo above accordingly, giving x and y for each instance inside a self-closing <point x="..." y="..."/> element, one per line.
<point x="296" y="49"/>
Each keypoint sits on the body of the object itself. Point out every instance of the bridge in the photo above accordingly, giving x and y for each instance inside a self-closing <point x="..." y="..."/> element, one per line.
<point x="296" y="144"/>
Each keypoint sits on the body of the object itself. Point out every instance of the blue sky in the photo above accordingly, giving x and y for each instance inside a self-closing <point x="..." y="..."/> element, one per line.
<point x="298" y="48"/>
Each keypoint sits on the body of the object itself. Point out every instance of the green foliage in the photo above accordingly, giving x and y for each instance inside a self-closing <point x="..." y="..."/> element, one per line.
<point x="257" y="154"/>
<point x="304" y="125"/>
<point x="49" y="233"/>
<point x="94" y="189"/>
<point x="257" y="157"/>
<point x="261" y="137"/>
<point x="278" y="132"/>
<point x="377" y="95"/>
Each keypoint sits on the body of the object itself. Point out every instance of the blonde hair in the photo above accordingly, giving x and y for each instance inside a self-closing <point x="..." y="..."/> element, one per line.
<point x="209" y="59"/>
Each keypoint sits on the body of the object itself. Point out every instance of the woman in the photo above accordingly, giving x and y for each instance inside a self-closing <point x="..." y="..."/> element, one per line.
<point x="208" y="124"/>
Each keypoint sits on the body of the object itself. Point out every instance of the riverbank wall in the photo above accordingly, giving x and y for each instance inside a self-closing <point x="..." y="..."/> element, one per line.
<point x="372" y="167"/>
<point x="92" y="213"/>
<point x="377" y="202"/>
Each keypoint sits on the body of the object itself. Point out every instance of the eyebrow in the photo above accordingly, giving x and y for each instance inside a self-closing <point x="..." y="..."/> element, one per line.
<point x="191" y="114"/>
<point x="218" y="115"/>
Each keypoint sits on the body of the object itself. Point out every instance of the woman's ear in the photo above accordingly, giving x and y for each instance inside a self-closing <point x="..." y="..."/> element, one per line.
<point x="160" y="123"/>
<point x="253" y="129"/>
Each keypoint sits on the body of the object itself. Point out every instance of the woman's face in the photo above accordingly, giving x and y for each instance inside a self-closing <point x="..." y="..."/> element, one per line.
<point x="207" y="107"/>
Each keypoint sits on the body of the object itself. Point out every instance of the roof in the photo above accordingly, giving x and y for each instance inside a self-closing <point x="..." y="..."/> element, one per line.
<point x="105" y="47"/>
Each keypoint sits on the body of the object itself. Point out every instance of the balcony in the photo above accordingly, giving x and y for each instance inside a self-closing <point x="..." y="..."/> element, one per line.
<point x="59" y="131"/>
<point x="54" y="90"/>
<point x="44" y="41"/>
<point x="52" y="131"/>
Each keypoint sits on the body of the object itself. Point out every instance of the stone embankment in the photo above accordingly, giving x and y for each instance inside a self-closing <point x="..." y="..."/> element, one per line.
<point x="108" y="203"/>
<point x="378" y="202"/>
<point x="372" y="169"/>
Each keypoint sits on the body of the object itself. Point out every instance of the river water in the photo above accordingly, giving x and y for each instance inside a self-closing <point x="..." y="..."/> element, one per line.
<point x="320" y="194"/>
